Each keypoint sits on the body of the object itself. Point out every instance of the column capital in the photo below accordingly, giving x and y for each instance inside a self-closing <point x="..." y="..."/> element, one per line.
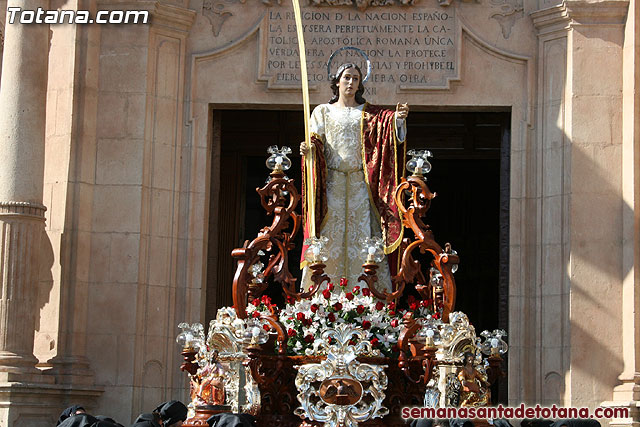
<point x="606" y="12"/>
<point x="552" y="19"/>
<point x="174" y="17"/>
<point x="579" y="12"/>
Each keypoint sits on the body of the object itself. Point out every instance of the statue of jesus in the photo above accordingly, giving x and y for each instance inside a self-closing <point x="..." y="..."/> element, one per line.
<point x="359" y="160"/>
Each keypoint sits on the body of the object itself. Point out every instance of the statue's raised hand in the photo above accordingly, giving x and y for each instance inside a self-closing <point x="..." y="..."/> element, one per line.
<point x="402" y="110"/>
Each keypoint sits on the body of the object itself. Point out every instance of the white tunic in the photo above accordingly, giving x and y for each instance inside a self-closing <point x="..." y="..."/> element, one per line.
<point x="350" y="214"/>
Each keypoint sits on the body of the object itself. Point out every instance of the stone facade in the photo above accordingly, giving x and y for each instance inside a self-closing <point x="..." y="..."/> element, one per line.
<point x="113" y="136"/>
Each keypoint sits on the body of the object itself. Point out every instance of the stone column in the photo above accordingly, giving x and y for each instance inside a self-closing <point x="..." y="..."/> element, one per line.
<point x="22" y="131"/>
<point x="627" y="393"/>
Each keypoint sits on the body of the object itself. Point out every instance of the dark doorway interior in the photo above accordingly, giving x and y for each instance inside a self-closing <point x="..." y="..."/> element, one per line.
<point x="469" y="176"/>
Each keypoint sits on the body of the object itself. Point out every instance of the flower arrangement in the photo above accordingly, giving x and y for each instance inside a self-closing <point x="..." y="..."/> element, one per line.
<point x="305" y="319"/>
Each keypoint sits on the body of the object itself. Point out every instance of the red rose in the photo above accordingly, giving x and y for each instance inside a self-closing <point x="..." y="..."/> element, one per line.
<point x="366" y="324"/>
<point x="314" y="308"/>
<point x="256" y="302"/>
<point x="425" y="303"/>
<point x="375" y="342"/>
<point x="337" y="306"/>
<point x="379" y="305"/>
<point x="366" y="292"/>
<point x="392" y="313"/>
<point x="266" y="327"/>
<point x="326" y="293"/>
<point x="436" y="315"/>
<point x="413" y="306"/>
<point x="356" y="290"/>
<point x="360" y="309"/>
<point x="331" y="317"/>
<point x="349" y="296"/>
<point x="395" y="323"/>
<point x="392" y="306"/>
<point x="291" y="333"/>
<point x="300" y="316"/>
<point x="290" y="299"/>
<point x="307" y="321"/>
<point x="255" y="315"/>
<point x="266" y="299"/>
<point x="343" y="282"/>
<point x="309" y="338"/>
<point x="330" y="287"/>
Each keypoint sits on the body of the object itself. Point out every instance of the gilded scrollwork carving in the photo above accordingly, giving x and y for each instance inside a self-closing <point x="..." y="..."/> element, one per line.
<point x="510" y="12"/>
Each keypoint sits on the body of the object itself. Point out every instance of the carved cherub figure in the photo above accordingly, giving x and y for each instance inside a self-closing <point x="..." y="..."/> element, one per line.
<point x="475" y="388"/>
<point x="207" y="388"/>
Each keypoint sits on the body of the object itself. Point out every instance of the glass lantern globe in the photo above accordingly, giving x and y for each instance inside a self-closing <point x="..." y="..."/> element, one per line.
<point x="278" y="161"/>
<point x="454" y="267"/>
<point x="255" y="333"/>
<point x="436" y="278"/>
<point x="493" y="343"/>
<point x="256" y="271"/>
<point x="316" y="252"/>
<point x="372" y="249"/>
<point x="419" y="163"/>
<point x="186" y="338"/>
<point x="430" y="331"/>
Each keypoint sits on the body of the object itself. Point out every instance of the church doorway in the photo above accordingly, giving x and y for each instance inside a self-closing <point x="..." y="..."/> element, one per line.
<point x="470" y="175"/>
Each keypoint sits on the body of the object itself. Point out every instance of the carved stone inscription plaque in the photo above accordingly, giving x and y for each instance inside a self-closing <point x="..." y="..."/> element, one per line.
<point x="409" y="47"/>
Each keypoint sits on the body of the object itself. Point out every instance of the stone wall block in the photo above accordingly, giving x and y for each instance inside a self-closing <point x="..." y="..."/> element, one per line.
<point x="596" y="219"/>
<point x="136" y="104"/>
<point x="164" y="166"/>
<point x="104" y="352"/>
<point x="106" y="302"/>
<point x="157" y="308"/>
<point x="119" y="161"/>
<point x="123" y="70"/>
<point x="161" y="218"/>
<point x="124" y="371"/>
<point x="100" y="257"/>
<point x="603" y="112"/>
<point x="112" y="115"/>
<point x="84" y="205"/>
<point x="159" y="262"/>
<point x="117" y="208"/>
<point x="552" y="219"/>
<point x="57" y="155"/>
<point x="554" y="270"/>
<point x="123" y="260"/>
<point x="597" y="45"/>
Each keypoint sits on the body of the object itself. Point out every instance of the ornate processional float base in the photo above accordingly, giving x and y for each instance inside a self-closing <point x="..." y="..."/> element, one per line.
<point x="336" y="355"/>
